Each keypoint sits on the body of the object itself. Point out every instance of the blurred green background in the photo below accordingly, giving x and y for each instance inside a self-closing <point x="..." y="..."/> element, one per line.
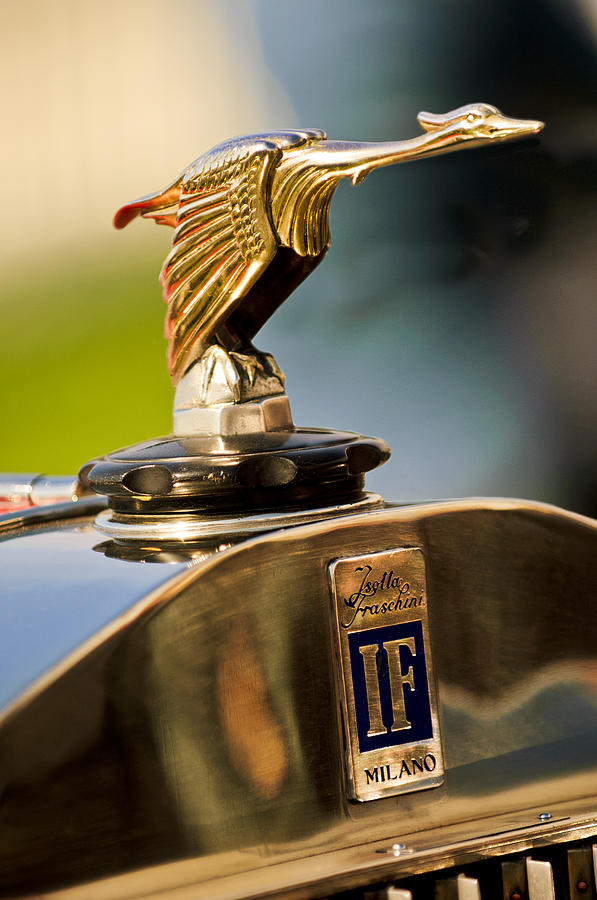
<point x="454" y="315"/>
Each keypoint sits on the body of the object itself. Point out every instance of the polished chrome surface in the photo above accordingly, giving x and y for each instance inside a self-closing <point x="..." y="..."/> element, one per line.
<point x="15" y="490"/>
<point x="221" y="377"/>
<point x="198" y="730"/>
<point x="20" y="490"/>
<point x="190" y="527"/>
<point x="266" y="414"/>
<point x="334" y="871"/>
<point x="251" y="220"/>
<point x="385" y="673"/>
<point x="47" y="489"/>
<point x="15" y="519"/>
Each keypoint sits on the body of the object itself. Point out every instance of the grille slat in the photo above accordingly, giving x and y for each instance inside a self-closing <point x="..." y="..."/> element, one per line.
<point x="460" y="888"/>
<point x="540" y="880"/>
<point x="514" y="880"/>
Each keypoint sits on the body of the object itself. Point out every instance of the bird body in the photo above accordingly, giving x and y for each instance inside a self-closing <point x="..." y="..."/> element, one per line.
<point x="251" y="220"/>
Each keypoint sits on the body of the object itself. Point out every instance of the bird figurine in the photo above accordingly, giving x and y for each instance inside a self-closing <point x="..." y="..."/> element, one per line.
<point x="251" y="221"/>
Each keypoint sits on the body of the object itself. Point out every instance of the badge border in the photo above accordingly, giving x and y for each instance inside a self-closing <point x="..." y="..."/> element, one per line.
<point x="352" y="753"/>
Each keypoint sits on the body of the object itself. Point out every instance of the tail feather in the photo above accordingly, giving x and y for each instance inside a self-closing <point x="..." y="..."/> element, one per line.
<point x="160" y="206"/>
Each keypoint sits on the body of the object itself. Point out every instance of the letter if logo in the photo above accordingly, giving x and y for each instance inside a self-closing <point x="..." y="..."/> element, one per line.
<point x="389" y="677"/>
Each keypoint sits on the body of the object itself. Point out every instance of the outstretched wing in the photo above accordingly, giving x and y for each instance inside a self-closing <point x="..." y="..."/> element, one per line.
<point x="222" y="243"/>
<point x="302" y="189"/>
<point x="223" y="240"/>
<point x="220" y="208"/>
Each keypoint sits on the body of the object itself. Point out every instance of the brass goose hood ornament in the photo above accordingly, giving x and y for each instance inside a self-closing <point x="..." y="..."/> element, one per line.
<point x="238" y="207"/>
<point x="251" y="221"/>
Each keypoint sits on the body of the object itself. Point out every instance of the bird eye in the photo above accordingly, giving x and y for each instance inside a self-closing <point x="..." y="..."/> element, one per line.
<point x="472" y="117"/>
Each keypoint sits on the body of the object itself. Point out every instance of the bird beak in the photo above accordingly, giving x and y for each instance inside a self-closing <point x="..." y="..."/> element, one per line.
<point x="504" y="129"/>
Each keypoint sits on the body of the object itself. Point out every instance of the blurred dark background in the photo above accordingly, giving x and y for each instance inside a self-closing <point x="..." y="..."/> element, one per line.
<point x="454" y="315"/>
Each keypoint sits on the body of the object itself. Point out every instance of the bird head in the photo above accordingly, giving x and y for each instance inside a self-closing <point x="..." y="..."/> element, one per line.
<point x="479" y="122"/>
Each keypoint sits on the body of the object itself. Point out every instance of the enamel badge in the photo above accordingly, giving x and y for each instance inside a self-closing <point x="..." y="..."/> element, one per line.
<point x="386" y="676"/>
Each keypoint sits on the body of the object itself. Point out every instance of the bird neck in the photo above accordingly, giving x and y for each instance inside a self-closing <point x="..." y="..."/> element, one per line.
<point x="430" y="143"/>
<point x="355" y="159"/>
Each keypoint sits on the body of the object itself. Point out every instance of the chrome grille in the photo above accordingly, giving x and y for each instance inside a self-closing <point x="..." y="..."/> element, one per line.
<point x="557" y="872"/>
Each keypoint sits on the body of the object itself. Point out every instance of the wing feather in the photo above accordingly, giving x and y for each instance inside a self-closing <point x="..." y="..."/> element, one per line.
<point x="203" y="206"/>
<point x="222" y="243"/>
<point x="185" y="335"/>
<point x="184" y="295"/>
<point x="223" y="240"/>
<point x="205" y="218"/>
<point x="204" y="242"/>
<point x="301" y="195"/>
